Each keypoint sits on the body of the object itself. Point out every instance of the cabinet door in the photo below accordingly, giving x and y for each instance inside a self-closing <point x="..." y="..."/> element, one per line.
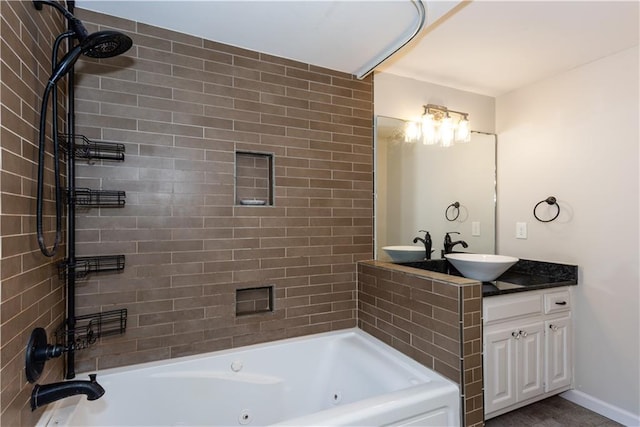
<point x="499" y="369"/>
<point x="530" y="358"/>
<point x="558" y="360"/>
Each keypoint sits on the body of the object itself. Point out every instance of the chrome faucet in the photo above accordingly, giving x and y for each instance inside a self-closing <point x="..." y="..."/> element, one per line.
<point x="426" y="241"/>
<point x="44" y="394"/>
<point x="448" y="244"/>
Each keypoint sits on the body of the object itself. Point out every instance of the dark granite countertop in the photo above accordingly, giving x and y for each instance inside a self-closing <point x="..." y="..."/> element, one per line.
<point x="525" y="275"/>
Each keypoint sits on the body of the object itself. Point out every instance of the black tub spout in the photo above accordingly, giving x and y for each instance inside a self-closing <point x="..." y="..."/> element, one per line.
<point x="48" y="393"/>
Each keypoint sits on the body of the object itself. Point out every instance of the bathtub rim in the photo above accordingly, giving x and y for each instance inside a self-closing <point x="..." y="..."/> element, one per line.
<point x="370" y="339"/>
<point x="64" y="409"/>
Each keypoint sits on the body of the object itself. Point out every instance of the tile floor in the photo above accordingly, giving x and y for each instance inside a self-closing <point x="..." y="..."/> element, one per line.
<point x="552" y="412"/>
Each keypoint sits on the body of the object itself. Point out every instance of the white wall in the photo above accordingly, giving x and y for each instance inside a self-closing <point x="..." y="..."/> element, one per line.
<point x="575" y="136"/>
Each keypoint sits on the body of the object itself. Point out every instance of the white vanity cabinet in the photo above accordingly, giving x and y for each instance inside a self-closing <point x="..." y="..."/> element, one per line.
<point x="527" y="348"/>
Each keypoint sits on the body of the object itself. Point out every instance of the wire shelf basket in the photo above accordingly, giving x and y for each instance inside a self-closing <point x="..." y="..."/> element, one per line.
<point x="84" y="148"/>
<point x="91" y="264"/>
<point x="97" y="198"/>
<point x="89" y="328"/>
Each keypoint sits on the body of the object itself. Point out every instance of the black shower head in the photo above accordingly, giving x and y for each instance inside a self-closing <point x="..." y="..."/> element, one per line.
<point x="101" y="44"/>
<point x="105" y="44"/>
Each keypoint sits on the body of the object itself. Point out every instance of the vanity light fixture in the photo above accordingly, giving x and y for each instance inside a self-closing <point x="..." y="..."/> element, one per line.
<point x="438" y="126"/>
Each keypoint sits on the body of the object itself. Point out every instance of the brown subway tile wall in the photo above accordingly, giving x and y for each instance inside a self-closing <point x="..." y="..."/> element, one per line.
<point x="30" y="293"/>
<point x="433" y="318"/>
<point x="184" y="107"/>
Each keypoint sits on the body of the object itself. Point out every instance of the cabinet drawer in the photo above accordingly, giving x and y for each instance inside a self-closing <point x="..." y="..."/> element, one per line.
<point x="555" y="302"/>
<point x="510" y="306"/>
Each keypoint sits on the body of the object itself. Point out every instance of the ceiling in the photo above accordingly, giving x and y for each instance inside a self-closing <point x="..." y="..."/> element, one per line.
<point x="483" y="46"/>
<point x="494" y="47"/>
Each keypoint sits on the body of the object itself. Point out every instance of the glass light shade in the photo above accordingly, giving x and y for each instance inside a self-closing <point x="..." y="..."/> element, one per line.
<point x="429" y="134"/>
<point x="446" y="132"/>
<point x="411" y="132"/>
<point x="463" y="131"/>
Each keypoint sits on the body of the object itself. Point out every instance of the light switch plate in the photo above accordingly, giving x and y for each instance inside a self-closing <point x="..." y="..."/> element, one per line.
<point x="475" y="228"/>
<point x="521" y="230"/>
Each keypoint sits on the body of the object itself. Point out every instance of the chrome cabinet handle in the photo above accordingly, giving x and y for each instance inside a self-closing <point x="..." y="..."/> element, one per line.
<point x="523" y="333"/>
<point x="554" y="328"/>
<point x="516" y="335"/>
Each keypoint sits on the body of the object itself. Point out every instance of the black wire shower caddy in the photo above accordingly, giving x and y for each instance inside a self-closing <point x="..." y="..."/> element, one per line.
<point x="80" y="332"/>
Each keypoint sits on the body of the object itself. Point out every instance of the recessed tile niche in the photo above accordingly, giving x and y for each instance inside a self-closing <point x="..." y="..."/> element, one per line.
<point x="254" y="179"/>
<point x="254" y="300"/>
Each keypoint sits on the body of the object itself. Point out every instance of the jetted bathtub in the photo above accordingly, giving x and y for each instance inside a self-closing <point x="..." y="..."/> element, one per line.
<point x="343" y="378"/>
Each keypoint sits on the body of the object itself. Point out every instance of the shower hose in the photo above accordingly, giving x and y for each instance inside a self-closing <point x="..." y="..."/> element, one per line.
<point x="50" y="91"/>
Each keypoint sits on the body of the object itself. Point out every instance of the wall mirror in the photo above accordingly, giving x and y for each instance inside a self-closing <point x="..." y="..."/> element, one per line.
<point x="416" y="184"/>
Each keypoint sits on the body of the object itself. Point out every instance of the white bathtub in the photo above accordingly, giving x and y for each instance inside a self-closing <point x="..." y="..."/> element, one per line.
<point x="344" y="378"/>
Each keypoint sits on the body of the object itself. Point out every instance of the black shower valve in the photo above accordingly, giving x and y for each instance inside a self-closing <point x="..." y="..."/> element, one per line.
<point x="51" y="351"/>
<point x="38" y="352"/>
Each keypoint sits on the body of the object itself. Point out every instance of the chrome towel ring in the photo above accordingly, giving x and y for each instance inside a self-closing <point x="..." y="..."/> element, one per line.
<point x="550" y="201"/>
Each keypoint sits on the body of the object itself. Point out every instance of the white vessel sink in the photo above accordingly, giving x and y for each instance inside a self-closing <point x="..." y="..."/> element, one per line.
<point x="483" y="267"/>
<point x="405" y="253"/>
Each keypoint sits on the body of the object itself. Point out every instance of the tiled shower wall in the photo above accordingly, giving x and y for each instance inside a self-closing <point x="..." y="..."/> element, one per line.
<point x="30" y="293"/>
<point x="183" y="107"/>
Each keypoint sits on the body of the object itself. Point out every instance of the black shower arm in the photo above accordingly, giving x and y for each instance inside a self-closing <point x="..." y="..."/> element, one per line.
<point x="38" y="5"/>
<point x="74" y="23"/>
